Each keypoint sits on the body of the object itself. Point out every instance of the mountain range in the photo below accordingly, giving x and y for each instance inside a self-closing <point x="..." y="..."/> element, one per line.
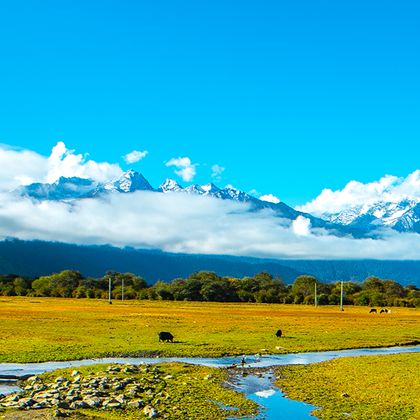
<point x="35" y="258"/>
<point x="358" y="221"/>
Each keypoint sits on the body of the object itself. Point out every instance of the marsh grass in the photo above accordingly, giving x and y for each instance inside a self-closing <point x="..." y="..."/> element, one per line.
<point x="46" y="329"/>
<point x="378" y="387"/>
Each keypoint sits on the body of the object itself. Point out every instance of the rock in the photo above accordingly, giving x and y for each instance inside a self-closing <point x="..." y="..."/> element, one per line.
<point x="167" y="377"/>
<point x="121" y="399"/>
<point x="27" y="402"/>
<point x="78" y="404"/>
<point x="93" y="402"/>
<point x="60" y="379"/>
<point x="113" y="405"/>
<point x="74" y="373"/>
<point x="345" y="395"/>
<point x="33" y="379"/>
<point x="136" y="404"/>
<point x="150" y="412"/>
<point x="63" y="404"/>
<point x="59" y="413"/>
<point x="77" y="379"/>
<point x="207" y="377"/>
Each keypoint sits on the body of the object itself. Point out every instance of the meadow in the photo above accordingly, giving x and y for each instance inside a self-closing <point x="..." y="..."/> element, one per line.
<point x="371" y="387"/>
<point x="44" y="329"/>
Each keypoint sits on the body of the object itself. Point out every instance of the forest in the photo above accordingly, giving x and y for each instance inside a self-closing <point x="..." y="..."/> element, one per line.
<point x="208" y="286"/>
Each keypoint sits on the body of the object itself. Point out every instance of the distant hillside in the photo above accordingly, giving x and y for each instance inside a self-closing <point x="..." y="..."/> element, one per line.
<point x="34" y="258"/>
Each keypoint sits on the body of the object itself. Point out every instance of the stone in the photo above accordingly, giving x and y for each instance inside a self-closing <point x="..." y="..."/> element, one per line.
<point x="78" y="404"/>
<point x="167" y="377"/>
<point x="345" y="395"/>
<point x="113" y="405"/>
<point x="136" y="404"/>
<point x="74" y="373"/>
<point x="93" y="402"/>
<point x="63" y="404"/>
<point x="60" y="379"/>
<point x="77" y="379"/>
<point x="27" y="402"/>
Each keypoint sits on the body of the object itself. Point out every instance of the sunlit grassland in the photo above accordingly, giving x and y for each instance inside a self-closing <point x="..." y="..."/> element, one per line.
<point x="378" y="387"/>
<point x="41" y="329"/>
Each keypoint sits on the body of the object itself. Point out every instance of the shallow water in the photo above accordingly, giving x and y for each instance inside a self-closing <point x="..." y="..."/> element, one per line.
<point x="260" y="388"/>
<point x="257" y="388"/>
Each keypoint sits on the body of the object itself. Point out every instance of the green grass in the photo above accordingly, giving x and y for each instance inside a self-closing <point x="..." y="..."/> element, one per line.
<point x="43" y="329"/>
<point x="379" y="387"/>
<point x="193" y="392"/>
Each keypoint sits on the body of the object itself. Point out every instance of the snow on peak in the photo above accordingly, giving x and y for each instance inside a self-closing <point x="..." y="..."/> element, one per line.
<point x="209" y="188"/>
<point x="170" y="185"/>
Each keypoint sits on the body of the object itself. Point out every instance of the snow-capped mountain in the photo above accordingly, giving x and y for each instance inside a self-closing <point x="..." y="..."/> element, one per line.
<point x="403" y="216"/>
<point x="129" y="181"/>
<point x="62" y="189"/>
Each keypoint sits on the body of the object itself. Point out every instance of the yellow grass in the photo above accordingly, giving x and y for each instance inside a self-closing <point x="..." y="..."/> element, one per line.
<point x="41" y="329"/>
<point x="374" y="387"/>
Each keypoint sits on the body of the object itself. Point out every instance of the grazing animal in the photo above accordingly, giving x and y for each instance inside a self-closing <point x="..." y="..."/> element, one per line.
<point x="166" y="336"/>
<point x="384" y="311"/>
<point x="373" y="311"/>
<point x="279" y="333"/>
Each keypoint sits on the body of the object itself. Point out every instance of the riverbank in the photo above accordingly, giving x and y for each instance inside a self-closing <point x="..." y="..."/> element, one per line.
<point x="42" y="329"/>
<point x="254" y="381"/>
<point x="383" y="387"/>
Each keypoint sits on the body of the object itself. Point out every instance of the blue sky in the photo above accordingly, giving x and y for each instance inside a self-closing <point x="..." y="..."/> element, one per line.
<point x="289" y="97"/>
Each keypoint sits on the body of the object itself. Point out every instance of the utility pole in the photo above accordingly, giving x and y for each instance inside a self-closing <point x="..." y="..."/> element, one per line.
<point x="316" y="296"/>
<point x="110" y="290"/>
<point x="341" y="297"/>
<point x="122" y="289"/>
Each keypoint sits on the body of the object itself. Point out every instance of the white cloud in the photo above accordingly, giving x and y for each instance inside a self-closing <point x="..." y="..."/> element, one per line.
<point x="270" y="198"/>
<point x="22" y="167"/>
<point x="389" y="188"/>
<point x="179" y="222"/>
<point x="64" y="162"/>
<point x="216" y="172"/>
<point x="185" y="168"/>
<point x="301" y="226"/>
<point x="135" y="156"/>
<point x="190" y="224"/>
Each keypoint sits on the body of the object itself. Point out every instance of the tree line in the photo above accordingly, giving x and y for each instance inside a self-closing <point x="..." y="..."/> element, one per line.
<point x="208" y="286"/>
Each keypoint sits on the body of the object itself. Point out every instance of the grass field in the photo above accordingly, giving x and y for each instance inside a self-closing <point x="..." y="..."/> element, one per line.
<point x="378" y="387"/>
<point x="190" y="392"/>
<point x="42" y="329"/>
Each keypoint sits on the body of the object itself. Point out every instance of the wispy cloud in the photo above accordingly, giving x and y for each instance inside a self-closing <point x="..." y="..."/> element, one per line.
<point x="389" y="188"/>
<point x="185" y="168"/>
<point x="216" y="172"/>
<point x="135" y="156"/>
<point x="270" y="198"/>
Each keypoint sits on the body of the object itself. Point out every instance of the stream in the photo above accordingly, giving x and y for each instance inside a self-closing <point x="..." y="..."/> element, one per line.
<point x="257" y="387"/>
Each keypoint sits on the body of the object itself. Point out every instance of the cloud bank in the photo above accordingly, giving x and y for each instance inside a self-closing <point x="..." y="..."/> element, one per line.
<point x="190" y="224"/>
<point x="389" y="188"/>
<point x="183" y="222"/>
